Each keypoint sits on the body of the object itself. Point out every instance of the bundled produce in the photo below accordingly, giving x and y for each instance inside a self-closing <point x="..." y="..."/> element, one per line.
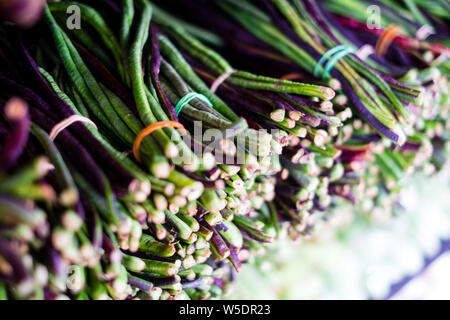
<point x="143" y="157"/>
<point x="290" y="39"/>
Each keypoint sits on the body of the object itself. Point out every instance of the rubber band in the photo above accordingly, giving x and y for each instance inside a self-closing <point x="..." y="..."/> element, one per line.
<point x="339" y="55"/>
<point x="60" y="126"/>
<point x="424" y="32"/>
<point x="149" y="130"/>
<point x="382" y="36"/>
<point x="365" y="51"/>
<point x="221" y="79"/>
<point x="188" y="98"/>
<point x="326" y="56"/>
<point x="386" y="38"/>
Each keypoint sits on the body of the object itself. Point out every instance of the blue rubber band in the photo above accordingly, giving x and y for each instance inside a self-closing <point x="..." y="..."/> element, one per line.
<point x="330" y="64"/>
<point x="326" y="56"/>
<point x="188" y="98"/>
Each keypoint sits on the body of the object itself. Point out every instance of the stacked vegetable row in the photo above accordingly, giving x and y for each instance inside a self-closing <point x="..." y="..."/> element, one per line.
<point x="287" y="39"/>
<point x="101" y="197"/>
<point x="128" y="228"/>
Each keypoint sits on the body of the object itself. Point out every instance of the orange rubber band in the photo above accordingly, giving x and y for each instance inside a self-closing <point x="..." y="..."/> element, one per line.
<point x="386" y="38"/>
<point x="381" y="38"/>
<point x="149" y="130"/>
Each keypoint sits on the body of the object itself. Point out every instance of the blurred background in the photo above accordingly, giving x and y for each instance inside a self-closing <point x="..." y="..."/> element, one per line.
<point x="397" y="254"/>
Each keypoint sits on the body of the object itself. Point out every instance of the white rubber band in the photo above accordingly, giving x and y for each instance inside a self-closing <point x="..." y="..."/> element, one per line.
<point x="365" y="51"/>
<point x="60" y="126"/>
<point x="424" y="32"/>
<point x="221" y="79"/>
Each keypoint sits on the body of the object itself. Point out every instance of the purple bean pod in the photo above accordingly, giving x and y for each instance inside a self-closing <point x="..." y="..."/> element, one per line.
<point x="352" y="96"/>
<point x="193" y="284"/>
<point x="155" y="62"/>
<point x="56" y="262"/>
<point x="157" y="282"/>
<point x="318" y="206"/>
<point x="251" y="236"/>
<point x="367" y="138"/>
<point x="49" y="294"/>
<point x="11" y="87"/>
<point x="219" y="244"/>
<point x="315" y="14"/>
<point x="234" y="259"/>
<point x="221" y="227"/>
<point x="9" y="254"/>
<point x="410" y="146"/>
<point x="219" y="282"/>
<point x="140" y="284"/>
<point x="16" y="139"/>
<point x="92" y="222"/>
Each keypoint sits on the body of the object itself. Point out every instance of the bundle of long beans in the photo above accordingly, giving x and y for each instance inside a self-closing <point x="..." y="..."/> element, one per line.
<point x="420" y="49"/>
<point x="102" y="198"/>
<point x="287" y="38"/>
<point x="152" y="224"/>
